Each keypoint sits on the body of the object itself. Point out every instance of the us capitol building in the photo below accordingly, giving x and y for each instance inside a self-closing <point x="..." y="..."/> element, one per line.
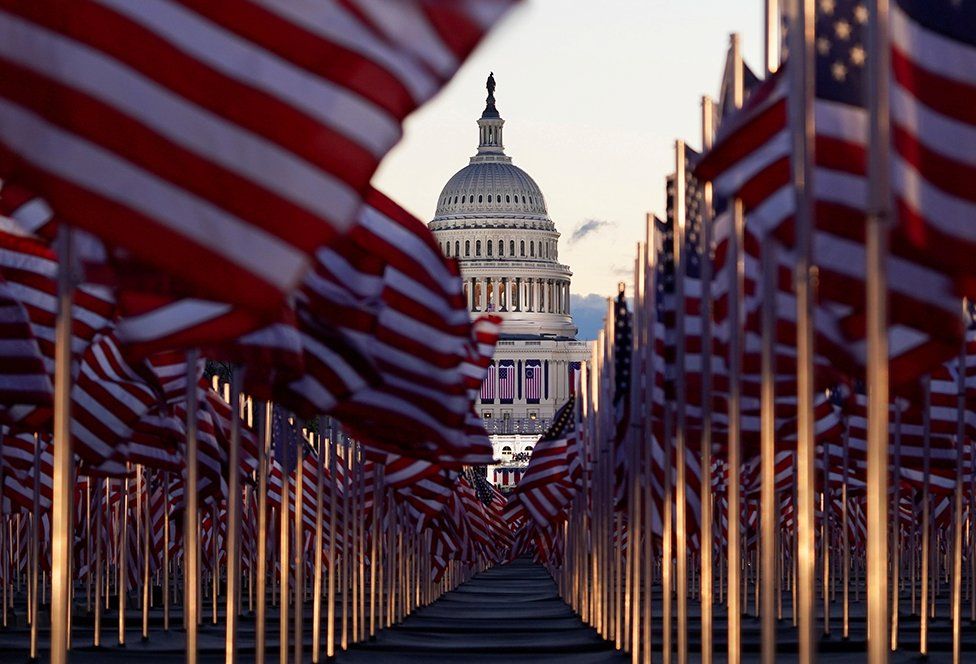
<point x="492" y="217"/>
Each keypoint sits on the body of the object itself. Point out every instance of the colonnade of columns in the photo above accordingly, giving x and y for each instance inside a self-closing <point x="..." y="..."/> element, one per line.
<point x="518" y="294"/>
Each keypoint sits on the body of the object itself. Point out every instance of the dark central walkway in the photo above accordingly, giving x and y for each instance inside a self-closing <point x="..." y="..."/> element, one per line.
<point x="510" y="613"/>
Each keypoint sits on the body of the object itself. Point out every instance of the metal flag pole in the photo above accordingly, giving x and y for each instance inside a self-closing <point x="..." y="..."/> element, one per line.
<point x="375" y="580"/>
<point x="681" y="488"/>
<point x="706" y="578"/>
<point x="35" y="548"/>
<point x="166" y="537"/>
<point x="895" y="548"/>
<point x="333" y="530"/>
<point x="825" y="503"/>
<point x="62" y="490"/>
<point x="845" y="535"/>
<point x="284" y="558"/>
<point x="957" y="507"/>
<point x="768" y="499"/>
<point x="299" y="572"/>
<point x="923" y="638"/>
<point x="144" y="511"/>
<point x="736" y="261"/>
<point x="632" y="599"/>
<point x="264" y="448"/>
<point x="233" y="539"/>
<point x="317" y="544"/>
<point x="802" y="128"/>
<point x="877" y="331"/>
<point x="123" y="571"/>
<point x="346" y="543"/>
<point x="99" y="516"/>
<point x="191" y="541"/>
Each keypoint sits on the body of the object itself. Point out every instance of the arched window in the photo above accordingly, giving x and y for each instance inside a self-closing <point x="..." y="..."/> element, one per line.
<point x="489" y="247"/>
<point x="540" y="248"/>
<point x="462" y="199"/>
<point x="523" y="200"/>
<point x="489" y="198"/>
<point x="455" y="200"/>
<point x="511" y="247"/>
<point x="480" y="198"/>
<point x="457" y="248"/>
<point x="507" y="450"/>
<point x="521" y="247"/>
<point x="501" y="248"/>
<point x="528" y="448"/>
<point x="508" y="199"/>
<point x="531" y="250"/>
<point x="477" y="248"/>
<point x="467" y="247"/>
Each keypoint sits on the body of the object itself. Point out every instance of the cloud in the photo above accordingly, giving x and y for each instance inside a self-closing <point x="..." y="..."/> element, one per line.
<point x="588" y="227"/>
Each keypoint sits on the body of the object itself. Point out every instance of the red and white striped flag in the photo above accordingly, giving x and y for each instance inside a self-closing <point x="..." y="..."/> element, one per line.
<point x="203" y="137"/>
<point x="933" y="127"/>
<point x="533" y="381"/>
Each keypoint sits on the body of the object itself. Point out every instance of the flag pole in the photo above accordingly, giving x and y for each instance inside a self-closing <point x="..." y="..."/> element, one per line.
<point x="768" y="521"/>
<point x="166" y="536"/>
<point x="233" y="520"/>
<point x="99" y="516"/>
<point x="896" y="549"/>
<point x="284" y="558"/>
<point x="299" y="572"/>
<point x="957" y="507"/>
<point x="737" y="264"/>
<point x="705" y="593"/>
<point x="35" y="548"/>
<point x="191" y="537"/>
<point x="923" y="639"/>
<point x="650" y="289"/>
<point x="845" y="536"/>
<point x="144" y="511"/>
<point x="877" y="330"/>
<point x="802" y="126"/>
<point x="62" y="494"/>
<point x="317" y="546"/>
<point x="333" y="500"/>
<point x="264" y="447"/>
<point x="681" y="491"/>
<point x="123" y="571"/>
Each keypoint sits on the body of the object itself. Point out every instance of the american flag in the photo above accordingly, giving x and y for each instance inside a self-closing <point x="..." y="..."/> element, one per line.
<point x="211" y="139"/>
<point x="546" y="488"/>
<point x="489" y="386"/>
<point x="574" y="376"/>
<point x="933" y="55"/>
<point x="751" y="160"/>
<point x="533" y="381"/>
<point x="506" y="381"/>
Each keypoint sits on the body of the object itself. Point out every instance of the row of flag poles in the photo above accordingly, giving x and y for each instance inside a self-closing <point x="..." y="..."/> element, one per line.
<point x="788" y="408"/>
<point x="181" y="181"/>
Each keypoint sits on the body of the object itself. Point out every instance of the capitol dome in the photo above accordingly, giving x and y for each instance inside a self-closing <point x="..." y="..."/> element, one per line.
<point x="491" y="216"/>
<point x="492" y="187"/>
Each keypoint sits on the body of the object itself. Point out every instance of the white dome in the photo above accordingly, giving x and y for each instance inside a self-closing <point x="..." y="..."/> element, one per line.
<point x="488" y="188"/>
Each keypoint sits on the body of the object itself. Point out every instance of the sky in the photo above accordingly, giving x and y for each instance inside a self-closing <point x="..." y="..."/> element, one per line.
<point x="594" y="95"/>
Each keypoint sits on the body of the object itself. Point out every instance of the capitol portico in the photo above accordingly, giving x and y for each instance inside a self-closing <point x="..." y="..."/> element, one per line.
<point x="492" y="217"/>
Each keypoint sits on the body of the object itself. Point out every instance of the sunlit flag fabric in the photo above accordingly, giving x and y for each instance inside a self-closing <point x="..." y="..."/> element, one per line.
<point x="751" y="160"/>
<point x="933" y="126"/>
<point x="546" y="488"/>
<point x="205" y="137"/>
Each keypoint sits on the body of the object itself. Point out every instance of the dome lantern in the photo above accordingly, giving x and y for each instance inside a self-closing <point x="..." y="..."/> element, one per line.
<point x="490" y="124"/>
